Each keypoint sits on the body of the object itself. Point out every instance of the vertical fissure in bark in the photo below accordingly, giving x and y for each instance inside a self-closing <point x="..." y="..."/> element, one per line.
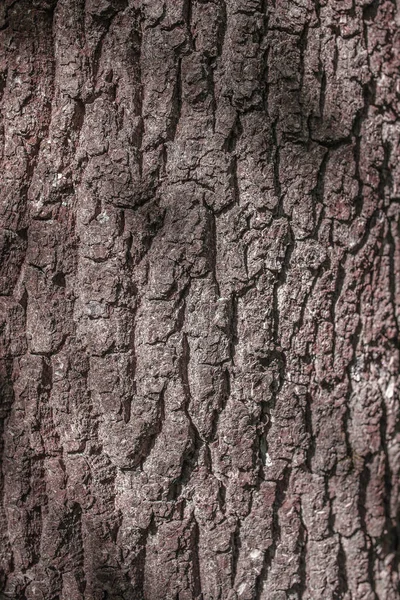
<point x="280" y="493"/>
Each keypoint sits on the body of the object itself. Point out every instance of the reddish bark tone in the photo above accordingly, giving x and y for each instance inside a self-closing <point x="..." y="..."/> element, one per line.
<point x="200" y="299"/>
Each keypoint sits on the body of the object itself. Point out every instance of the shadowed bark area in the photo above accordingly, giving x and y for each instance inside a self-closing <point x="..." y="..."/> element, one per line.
<point x="199" y="279"/>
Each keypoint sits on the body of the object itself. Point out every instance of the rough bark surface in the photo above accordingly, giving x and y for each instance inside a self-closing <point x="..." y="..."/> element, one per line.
<point x="200" y="258"/>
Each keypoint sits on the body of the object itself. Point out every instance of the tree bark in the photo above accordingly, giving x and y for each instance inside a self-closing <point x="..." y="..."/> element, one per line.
<point x="200" y="258"/>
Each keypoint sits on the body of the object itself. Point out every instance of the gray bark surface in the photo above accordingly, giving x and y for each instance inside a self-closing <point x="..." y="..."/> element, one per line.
<point x="200" y="259"/>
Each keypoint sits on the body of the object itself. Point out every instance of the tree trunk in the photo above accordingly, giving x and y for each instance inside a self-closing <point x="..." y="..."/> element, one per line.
<point x="199" y="299"/>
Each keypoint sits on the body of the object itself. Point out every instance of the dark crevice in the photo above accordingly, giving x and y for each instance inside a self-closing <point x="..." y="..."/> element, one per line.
<point x="280" y="494"/>
<point x="176" y="107"/>
<point x="235" y="550"/>
<point x="369" y="93"/>
<point x="342" y="588"/>
<point x="195" y="559"/>
<point x="393" y="280"/>
<point x="308" y="423"/>
<point x="322" y="95"/>
<point x="276" y="165"/>
<point x="150" y="437"/>
<point x="391" y="529"/>
<point x="222" y="26"/>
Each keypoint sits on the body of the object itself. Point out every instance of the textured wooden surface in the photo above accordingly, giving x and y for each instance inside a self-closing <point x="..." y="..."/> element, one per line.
<point x="199" y="299"/>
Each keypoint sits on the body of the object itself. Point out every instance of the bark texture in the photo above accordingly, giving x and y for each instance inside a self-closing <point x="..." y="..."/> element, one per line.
<point x="200" y="259"/>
